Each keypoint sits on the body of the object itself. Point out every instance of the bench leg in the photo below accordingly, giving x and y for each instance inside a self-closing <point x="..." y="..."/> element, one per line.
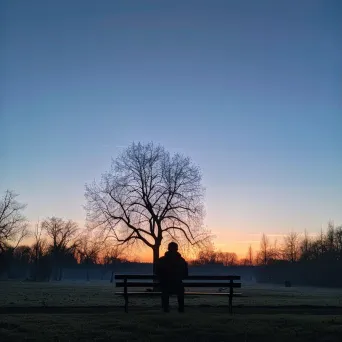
<point x="126" y="295"/>
<point x="231" y="299"/>
<point x="126" y="303"/>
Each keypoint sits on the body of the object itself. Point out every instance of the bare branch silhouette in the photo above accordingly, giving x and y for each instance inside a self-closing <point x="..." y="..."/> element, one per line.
<point x="13" y="225"/>
<point x="148" y="195"/>
<point x="64" y="236"/>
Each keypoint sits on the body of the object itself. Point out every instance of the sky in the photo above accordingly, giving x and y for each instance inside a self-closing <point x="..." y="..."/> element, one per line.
<point x="250" y="90"/>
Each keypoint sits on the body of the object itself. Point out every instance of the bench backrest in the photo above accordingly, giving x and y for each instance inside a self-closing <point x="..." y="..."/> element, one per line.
<point x="190" y="277"/>
<point x="141" y="280"/>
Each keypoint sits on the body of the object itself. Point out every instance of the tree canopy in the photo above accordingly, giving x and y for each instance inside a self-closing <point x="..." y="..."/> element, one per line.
<point x="148" y="196"/>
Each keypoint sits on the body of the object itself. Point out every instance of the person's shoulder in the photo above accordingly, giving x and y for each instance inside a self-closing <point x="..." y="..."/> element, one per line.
<point x="183" y="260"/>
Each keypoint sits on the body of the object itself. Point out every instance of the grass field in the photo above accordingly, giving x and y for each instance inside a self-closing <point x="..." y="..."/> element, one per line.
<point x="91" y="312"/>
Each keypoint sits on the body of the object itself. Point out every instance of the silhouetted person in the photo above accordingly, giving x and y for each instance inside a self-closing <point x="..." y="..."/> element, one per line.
<point x="171" y="269"/>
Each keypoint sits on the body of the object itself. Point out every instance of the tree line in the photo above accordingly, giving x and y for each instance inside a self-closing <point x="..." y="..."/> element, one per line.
<point x="147" y="199"/>
<point x="298" y="258"/>
<point x="57" y="243"/>
<point x="303" y="260"/>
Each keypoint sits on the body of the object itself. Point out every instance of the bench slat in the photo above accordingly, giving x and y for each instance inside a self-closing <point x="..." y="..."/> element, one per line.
<point x="215" y="277"/>
<point x="236" y="294"/>
<point x="190" y="277"/>
<point x="186" y="284"/>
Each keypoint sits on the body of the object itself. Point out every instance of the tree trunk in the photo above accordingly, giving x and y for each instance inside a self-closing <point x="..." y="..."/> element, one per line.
<point x="155" y="260"/>
<point x="155" y="257"/>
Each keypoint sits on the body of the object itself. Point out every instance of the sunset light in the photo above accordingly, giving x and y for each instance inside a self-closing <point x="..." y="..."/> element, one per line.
<point x="168" y="164"/>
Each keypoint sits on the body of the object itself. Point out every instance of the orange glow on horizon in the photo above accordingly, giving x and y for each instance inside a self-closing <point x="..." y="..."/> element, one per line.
<point x="226" y="240"/>
<point x="238" y="247"/>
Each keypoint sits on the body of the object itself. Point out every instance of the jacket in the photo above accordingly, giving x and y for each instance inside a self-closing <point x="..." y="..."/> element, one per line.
<point x="171" y="268"/>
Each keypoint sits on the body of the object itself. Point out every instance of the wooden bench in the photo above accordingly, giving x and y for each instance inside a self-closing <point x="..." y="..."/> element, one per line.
<point x="126" y="281"/>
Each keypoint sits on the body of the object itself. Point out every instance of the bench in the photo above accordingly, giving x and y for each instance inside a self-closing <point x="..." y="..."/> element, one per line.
<point x="126" y="281"/>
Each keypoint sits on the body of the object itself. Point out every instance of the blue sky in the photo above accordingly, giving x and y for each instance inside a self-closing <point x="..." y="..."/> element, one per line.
<point x="251" y="90"/>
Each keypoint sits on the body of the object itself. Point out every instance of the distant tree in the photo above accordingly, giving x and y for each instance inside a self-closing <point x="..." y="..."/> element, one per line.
<point x="250" y="257"/>
<point x="321" y="244"/>
<point x="220" y="257"/>
<point x="38" y="250"/>
<point x="329" y="241"/>
<point x="265" y="252"/>
<point x="316" y="250"/>
<point x="315" y="261"/>
<point x="305" y="247"/>
<point x="13" y="224"/>
<point x="227" y="258"/>
<point x="206" y="257"/>
<point x="113" y="255"/>
<point x="147" y="197"/>
<point x="275" y="251"/>
<point x="291" y="247"/>
<point x="231" y="259"/>
<point x="63" y="242"/>
<point x="88" y="250"/>
<point x="338" y="242"/>
<point x="326" y="246"/>
<point x="244" y="262"/>
<point x="22" y="254"/>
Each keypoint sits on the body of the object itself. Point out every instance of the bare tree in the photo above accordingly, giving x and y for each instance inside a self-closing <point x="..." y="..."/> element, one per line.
<point x="305" y="246"/>
<point x="38" y="248"/>
<point x="338" y="242"/>
<point x="23" y="254"/>
<point x="321" y="242"/>
<point x="88" y="250"/>
<point x="265" y="250"/>
<point x="229" y="259"/>
<point x="244" y="262"/>
<point x="207" y="256"/>
<point x="250" y="255"/>
<point x="13" y="225"/>
<point x="275" y="251"/>
<point x="268" y="252"/>
<point x="291" y="250"/>
<point x="114" y="254"/>
<point x="147" y="197"/>
<point x="63" y="236"/>
<point x="330" y="240"/>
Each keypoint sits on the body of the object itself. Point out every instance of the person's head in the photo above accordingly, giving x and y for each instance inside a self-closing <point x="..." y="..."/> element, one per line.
<point x="172" y="247"/>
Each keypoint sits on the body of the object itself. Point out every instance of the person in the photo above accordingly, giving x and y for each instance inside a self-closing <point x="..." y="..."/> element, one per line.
<point x="171" y="269"/>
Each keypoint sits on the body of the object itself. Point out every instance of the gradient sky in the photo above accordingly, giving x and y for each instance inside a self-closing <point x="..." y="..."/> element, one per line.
<point x="251" y="90"/>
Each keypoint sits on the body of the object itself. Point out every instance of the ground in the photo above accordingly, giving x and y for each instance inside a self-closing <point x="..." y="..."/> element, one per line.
<point x="81" y="311"/>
